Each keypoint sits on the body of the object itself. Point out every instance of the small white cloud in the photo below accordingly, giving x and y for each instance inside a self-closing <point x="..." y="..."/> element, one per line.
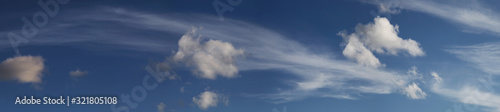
<point x="413" y="74"/>
<point x="182" y="89"/>
<point x="210" y="99"/>
<point x="161" y="107"/>
<point x="413" y="71"/>
<point x="25" y="69"/>
<point x="414" y="92"/>
<point x="78" y="73"/>
<point x="436" y="77"/>
<point x="211" y="58"/>
<point x="380" y="37"/>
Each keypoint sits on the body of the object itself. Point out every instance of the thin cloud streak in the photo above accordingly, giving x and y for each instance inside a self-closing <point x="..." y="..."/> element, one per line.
<point x="471" y="13"/>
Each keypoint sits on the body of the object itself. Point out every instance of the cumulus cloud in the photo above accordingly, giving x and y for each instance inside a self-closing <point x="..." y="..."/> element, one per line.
<point x="24" y="69"/>
<point x="78" y="73"/>
<point x="380" y="37"/>
<point x="211" y="58"/>
<point x="357" y="51"/>
<point x="210" y="99"/>
<point x="414" y="92"/>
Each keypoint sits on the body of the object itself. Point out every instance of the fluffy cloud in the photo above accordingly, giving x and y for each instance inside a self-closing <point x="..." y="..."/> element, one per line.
<point x="357" y="51"/>
<point x="414" y="92"/>
<point x="211" y="58"/>
<point x="78" y="73"/>
<point x="25" y="69"/>
<point x="210" y="99"/>
<point x="380" y="37"/>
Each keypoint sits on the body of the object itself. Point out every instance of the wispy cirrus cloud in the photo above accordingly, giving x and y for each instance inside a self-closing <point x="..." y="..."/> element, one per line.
<point x="485" y="57"/>
<point x="471" y="13"/>
<point x="320" y="74"/>
<point x="479" y="92"/>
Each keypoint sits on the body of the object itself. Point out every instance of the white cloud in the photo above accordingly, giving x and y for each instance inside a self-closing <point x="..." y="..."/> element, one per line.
<point x="319" y="81"/>
<point x="357" y="51"/>
<point x="78" y="73"/>
<point x="485" y="57"/>
<point x="380" y="37"/>
<point x="25" y="69"/>
<point x="414" y="74"/>
<point x="414" y="92"/>
<point x="472" y="95"/>
<point x="210" y="99"/>
<point x="480" y="91"/>
<point x="211" y="58"/>
<point x="161" y="107"/>
<point x="471" y="13"/>
<point x="437" y="78"/>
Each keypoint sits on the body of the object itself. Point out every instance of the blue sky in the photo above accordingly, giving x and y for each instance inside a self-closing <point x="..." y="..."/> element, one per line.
<point x="248" y="56"/>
